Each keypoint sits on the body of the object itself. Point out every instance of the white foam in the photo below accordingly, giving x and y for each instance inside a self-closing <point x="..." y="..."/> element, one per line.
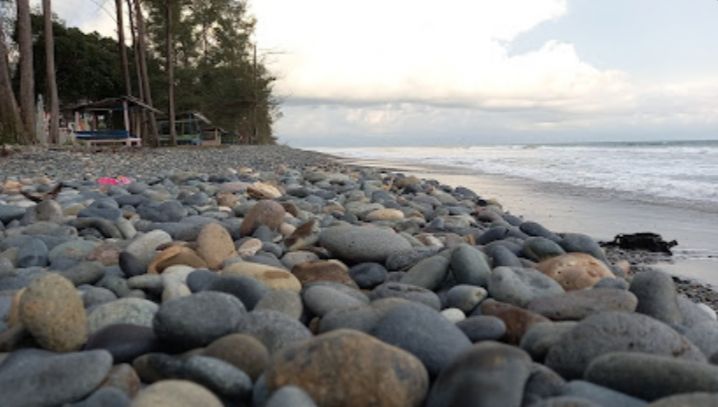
<point x="661" y="171"/>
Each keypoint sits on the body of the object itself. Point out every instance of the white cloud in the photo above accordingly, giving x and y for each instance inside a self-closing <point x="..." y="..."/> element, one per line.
<point x="379" y="70"/>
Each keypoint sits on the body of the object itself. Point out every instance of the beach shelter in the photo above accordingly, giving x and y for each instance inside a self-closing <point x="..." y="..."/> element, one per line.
<point x="192" y="128"/>
<point x="112" y="120"/>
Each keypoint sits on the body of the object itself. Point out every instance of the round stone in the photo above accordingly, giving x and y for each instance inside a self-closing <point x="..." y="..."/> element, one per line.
<point x="577" y="305"/>
<point x="242" y="351"/>
<point x="274" y="329"/>
<point x="575" y="271"/>
<point x="372" y="374"/>
<point x="272" y="277"/>
<point x="290" y="396"/>
<point x="176" y="393"/>
<point x="362" y="244"/>
<point x="54" y="314"/>
<point x="657" y="296"/>
<point x="482" y="328"/>
<point x="408" y="292"/>
<point x="465" y="297"/>
<point x="428" y="273"/>
<point x="321" y="299"/>
<point x="133" y="311"/>
<point x="651" y="377"/>
<point x="39" y="378"/>
<point x="198" y="319"/>
<point x="267" y="213"/>
<point x="423" y="332"/>
<point x="284" y="301"/>
<point x="469" y="266"/>
<point x="215" y="245"/>
<point x="488" y="374"/>
<point x="368" y="275"/>
<point x="616" y="332"/>
<point x="519" y="286"/>
<point x="125" y="342"/>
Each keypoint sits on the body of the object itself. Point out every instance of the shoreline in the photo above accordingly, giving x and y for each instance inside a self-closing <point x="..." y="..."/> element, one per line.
<point x="694" y="277"/>
<point x="236" y="272"/>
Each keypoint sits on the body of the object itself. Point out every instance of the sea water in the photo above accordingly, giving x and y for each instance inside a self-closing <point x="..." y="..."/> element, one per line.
<point x="683" y="174"/>
<point x="602" y="189"/>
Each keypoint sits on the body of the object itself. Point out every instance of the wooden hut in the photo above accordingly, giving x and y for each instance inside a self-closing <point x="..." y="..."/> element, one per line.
<point x="192" y="128"/>
<point x="113" y="120"/>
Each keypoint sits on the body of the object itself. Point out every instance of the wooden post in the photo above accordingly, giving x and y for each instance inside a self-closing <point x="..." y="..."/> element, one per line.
<point x="126" y="113"/>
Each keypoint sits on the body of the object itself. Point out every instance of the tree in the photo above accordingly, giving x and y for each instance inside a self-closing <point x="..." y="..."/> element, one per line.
<point x="213" y="64"/>
<point x="123" y="48"/>
<point x="142" y="52"/>
<point x="169" y="41"/>
<point x="27" y="82"/>
<point x="11" y="125"/>
<point x="50" y="72"/>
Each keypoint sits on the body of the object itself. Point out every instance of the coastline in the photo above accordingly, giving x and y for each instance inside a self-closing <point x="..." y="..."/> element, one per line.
<point x="695" y="260"/>
<point x="315" y="265"/>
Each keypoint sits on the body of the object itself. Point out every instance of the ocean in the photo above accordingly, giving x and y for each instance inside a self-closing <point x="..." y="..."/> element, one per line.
<point x="683" y="174"/>
<point x="601" y="189"/>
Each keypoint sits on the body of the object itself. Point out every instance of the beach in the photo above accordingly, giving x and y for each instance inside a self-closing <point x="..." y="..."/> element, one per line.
<point x="241" y="275"/>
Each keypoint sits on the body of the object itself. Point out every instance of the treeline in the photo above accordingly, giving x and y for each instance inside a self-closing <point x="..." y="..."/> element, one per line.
<point x="212" y="63"/>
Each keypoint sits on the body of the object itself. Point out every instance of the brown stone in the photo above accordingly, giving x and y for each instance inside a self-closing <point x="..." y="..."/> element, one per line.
<point x="52" y="311"/>
<point x="268" y="213"/>
<point x="291" y="208"/>
<point x="304" y="236"/>
<point x="249" y="247"/>
<point x="263" y="190"/>
<point x="215" y="245"/>
<point x="385" y="214"/>
<point x="13" y="317"/>
<point x="243" y="351"/>
<point x="516" y="319"/>
<point x="176" y="393"/>
<point x="175" y="255"/>
<point x="227" y="199"/>
<point x="346" y="368"/>
<point x="272" y="277"/>
<point x="575" y="271"/>
<point x="323" y="270"/>
<point x="124" y="378"/>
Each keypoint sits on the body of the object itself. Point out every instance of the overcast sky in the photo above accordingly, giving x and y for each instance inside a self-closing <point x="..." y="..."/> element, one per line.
<point x="394" y="72"/>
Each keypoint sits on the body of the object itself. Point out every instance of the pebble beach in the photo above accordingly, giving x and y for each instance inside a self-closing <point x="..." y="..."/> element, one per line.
<point x="270" y="276"/>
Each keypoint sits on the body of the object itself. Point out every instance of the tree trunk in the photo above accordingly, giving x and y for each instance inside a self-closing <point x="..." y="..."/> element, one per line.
<point x="141" y="40"/>
<point x="123" y="48"/>
<point x="170" y="73"/>
<point x="27" y="83"/>
<point x="142" y="116"/>
<point x="10" y="119"/>
<point x="50" y="72"/>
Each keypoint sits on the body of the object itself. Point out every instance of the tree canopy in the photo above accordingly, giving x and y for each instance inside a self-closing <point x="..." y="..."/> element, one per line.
<point x="215" y="71"/>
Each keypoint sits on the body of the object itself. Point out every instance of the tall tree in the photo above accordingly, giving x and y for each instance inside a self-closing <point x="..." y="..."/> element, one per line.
<point x="142" y="48"/>
<point x="27" y="82"/>
<point x="169" y="42"/>
<point x="11" y="126"/>
<point x="123" y="49"/>
<point x="50" y="73"/>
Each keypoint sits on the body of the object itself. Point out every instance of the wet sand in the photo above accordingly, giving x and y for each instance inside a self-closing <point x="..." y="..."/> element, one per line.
<point x="595" y="212"/>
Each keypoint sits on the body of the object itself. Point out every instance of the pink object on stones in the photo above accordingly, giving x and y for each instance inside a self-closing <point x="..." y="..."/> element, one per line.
<point x="121" y="180"/>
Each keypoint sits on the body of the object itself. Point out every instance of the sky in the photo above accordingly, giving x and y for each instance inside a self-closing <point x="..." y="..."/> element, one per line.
<point x="465" y="72"/>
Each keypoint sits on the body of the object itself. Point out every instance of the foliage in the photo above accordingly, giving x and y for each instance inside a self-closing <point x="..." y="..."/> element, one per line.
<point x="214" y="65"/>
<point x="215" y="72"/>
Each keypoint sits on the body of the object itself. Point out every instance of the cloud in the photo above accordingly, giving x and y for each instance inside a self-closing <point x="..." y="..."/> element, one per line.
<point x="418" y="71"/>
